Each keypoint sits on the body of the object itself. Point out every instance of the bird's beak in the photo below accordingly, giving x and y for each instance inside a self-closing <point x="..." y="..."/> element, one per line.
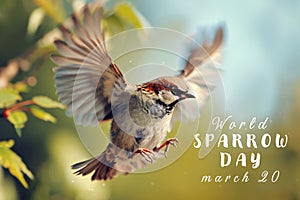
<point x="182" y="97"/>
<point x="187" y="95"/>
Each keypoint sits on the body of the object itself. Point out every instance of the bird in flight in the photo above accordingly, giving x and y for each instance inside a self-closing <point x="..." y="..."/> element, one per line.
<point x="94" y="89"/>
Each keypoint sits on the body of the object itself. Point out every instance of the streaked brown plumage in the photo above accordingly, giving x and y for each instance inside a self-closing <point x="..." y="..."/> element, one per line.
<point x="93" y="87"/>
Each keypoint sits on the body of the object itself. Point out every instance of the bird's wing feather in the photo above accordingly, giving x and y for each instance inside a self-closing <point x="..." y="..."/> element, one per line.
<point x="86" y="76"/>
<point x="200" y="73"/>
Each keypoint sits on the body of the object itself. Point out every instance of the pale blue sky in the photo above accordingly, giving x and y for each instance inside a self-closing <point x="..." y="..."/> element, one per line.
<point x="262" y="55"/>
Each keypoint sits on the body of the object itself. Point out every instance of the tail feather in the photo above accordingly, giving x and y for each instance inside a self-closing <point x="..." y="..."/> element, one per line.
<point x="81" y="164"/>
<point x="102" y="171"/>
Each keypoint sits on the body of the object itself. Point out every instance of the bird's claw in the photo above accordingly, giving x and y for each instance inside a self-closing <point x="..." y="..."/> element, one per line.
<point x="171" y="141"/>
<point x="146" y="153"/>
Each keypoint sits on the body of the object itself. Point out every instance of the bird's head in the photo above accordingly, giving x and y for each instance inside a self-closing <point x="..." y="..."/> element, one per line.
<point x="167" y="90"/>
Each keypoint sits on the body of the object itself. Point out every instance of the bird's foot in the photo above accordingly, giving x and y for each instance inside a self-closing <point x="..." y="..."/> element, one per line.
<point x="171" y="141"/>
<point x="146" y="153"/>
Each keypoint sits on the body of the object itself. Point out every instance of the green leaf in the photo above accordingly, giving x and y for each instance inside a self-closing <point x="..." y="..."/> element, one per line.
<point x="53" y="8"/>
<point x="19" y="131"/>
<point x="35" y="20"/>
<point x="41" y="114"/>
<point x="46" y="102"/>
<point x="11" y="161"/>
<point x="123" y="17"/>
<point x="128" y="15"/>
<point x="113" y="24"/>
<point x="8" y="97"/>
<point x="18" y="119"/>
<point x="21" y="87"/>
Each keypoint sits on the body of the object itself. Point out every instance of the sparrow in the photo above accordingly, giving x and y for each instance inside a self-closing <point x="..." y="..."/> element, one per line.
<point x="94" y="89"/>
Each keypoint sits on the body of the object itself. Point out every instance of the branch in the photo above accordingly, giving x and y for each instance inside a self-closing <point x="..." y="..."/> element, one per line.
<point x="7" y="73"/>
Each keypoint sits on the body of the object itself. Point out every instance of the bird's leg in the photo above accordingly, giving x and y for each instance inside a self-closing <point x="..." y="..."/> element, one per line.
<point x="167" y="143"/>
<point x="146" y="153"/>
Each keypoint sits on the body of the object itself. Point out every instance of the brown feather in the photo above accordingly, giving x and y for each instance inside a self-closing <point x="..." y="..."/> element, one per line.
<point x="201" y="54"/>
<point x="85" y="68"/>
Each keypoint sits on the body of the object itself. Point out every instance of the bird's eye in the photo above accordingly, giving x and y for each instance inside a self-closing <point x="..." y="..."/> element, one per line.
<point x="166" y="96"/>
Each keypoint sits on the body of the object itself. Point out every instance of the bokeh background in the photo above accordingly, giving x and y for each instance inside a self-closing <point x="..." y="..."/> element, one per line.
<point x="261" y="78"/>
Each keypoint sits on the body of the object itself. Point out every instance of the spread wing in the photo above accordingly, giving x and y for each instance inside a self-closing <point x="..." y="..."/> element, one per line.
<point x="201" y="73"/>
<point x="86" y="76"/>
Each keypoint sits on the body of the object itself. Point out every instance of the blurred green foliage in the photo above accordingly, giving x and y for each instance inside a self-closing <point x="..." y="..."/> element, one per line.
<point x="13" y="162"/>
<point x="13" y="109"/>
<point x="25" y="65"/>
